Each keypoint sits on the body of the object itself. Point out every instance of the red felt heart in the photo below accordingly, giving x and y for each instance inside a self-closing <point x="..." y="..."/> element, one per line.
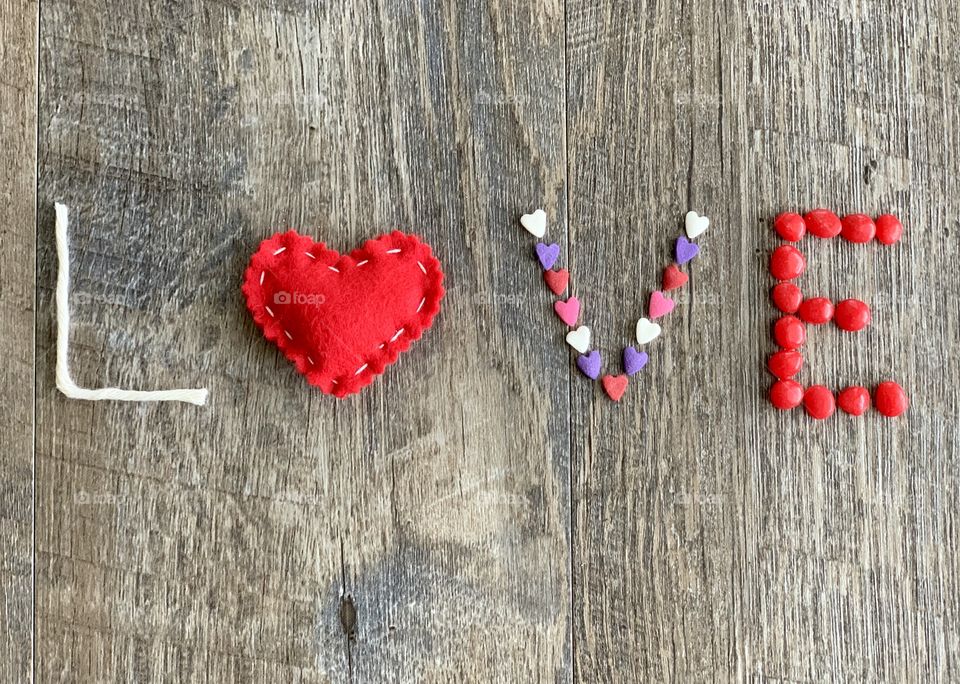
<point x="673" y="278"/>
<point x="342" y="319"/>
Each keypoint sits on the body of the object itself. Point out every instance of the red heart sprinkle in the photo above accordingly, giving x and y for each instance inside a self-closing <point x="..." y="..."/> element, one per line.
<point x="342" y="319"/>
<point x="557" y="280"/>
<point x="673" y="278"/>
<point x="787" y="297"/>
<point x="854" y="400"/>
<point x="614" y="386"/>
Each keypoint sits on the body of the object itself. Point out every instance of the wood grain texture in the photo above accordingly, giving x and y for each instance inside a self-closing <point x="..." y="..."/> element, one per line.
<point x="18" y="180"/>
<point x="713" y="538"/>
<point x="481" y="513"/>
<point x="417" y="532"/>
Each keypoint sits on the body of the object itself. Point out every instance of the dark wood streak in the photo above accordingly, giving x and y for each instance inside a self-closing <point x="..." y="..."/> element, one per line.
<point x="18" y="180"/>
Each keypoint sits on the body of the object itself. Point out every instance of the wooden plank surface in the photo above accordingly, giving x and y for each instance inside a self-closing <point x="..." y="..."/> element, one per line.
<point x="417" y="532"/>
<point x="714" y="539"/>
<point x="482" y="513"/>
<point x="18" y="181"/>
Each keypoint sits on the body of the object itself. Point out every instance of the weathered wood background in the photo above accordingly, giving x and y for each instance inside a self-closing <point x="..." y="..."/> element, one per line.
<point x="481" y="513"/>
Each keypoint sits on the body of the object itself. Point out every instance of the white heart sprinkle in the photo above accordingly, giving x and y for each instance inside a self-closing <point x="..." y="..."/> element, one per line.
<point x="535" y="223"/>
<point x="696" y="224"/>
<point x="579" y="339"/>
<point x="647" y="331"/>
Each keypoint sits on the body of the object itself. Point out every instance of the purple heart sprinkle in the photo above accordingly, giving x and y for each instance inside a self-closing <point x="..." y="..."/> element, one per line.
<point x="634" y="361"/>
<point x="589" y="364"/>
<point x="685" y="250"/>
<point x="547" y="254"/>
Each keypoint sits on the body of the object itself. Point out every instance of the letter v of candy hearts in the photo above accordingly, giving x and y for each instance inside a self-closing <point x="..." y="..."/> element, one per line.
<point x="590" y="363"/>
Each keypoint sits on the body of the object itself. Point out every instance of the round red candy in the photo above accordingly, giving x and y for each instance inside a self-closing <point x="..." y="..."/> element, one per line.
<point x="790" y="227"/>
<point x="823" y="223"/>
<point x="786" y="262"/>
<point x="854" y="400"/>
<point x="786" y="394"/>
<point x="889" y="229"/>
<point x="858" y="228"/>
<point x="789" y="332"/>
<point x="819" y="402"/>
<point x="817" y="310"/>
<point x="851" y="315"/>
<point x="785" y="364"/>
<point x="890" y="399"/>
<point x="786" y="297"/>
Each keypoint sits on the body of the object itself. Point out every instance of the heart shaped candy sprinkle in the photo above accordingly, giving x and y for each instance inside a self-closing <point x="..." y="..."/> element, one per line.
<point x="589" y="364"/>
<point x="685" y="250"/>
<point x="547" y="254"/>
<point x="634" y="361"/>
<point x="614" y="386"/>
<point x="673" y="278"/>
<point x="660" y="305"/>
<point x="647" y="331"/>
<point x="579" y="339"/>
<point x="568" y="311"/>
<point x="696" y="224"/>
<point x="557" y="280"/>
<point x="535" y="223"/>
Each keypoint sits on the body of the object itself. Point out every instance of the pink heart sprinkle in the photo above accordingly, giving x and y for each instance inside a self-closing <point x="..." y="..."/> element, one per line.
<point x="660" y="305"/>
<point x="568" y="311"/>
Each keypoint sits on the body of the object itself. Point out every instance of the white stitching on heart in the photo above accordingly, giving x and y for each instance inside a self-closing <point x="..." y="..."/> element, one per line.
<point x="396" y="335"/>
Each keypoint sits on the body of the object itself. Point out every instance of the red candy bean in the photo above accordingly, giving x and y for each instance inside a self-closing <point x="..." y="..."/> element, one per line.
<point x="889" y="229"/>
<point x="785" y="364"/>
<point x="819" y="402"/>
<point x="790" y="227"/>
<point x="786" y="262"/>
<point x="786" y="394"/>
<point x="854" y="400"/>
<point x="817" y="311"/>
<point x="789" y="332"/>
<point x="858" y="228"/>
<point x="890" y="399"/>
<point x="823" y="223"/>
<point x="851" y="315"/>
<point x="786" y="297"/>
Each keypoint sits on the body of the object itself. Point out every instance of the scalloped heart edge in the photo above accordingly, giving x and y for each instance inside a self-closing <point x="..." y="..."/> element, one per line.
<point x="342" y="386"/>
